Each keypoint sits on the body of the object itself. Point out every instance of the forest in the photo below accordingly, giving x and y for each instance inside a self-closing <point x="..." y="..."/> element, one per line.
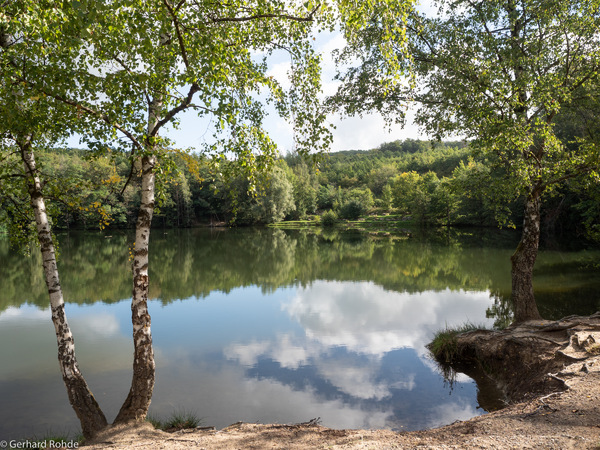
<point x="422" y="183"/>
<point x="518" y="81"/>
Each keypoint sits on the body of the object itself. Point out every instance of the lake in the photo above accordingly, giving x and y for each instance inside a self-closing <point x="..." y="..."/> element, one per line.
<point x="264" y="325"/>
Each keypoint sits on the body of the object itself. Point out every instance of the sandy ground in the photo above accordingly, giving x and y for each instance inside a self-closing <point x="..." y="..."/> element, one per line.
<point x="561" y="420"/>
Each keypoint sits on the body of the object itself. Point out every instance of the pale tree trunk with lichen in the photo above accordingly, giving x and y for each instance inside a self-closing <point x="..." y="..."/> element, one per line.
<point x="523" y="260"/>
<point x="81" y="398"/>
<point x="138" y="400"/>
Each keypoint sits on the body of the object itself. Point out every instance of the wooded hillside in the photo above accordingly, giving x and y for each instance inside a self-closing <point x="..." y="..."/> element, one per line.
<point x="423" y="182"/>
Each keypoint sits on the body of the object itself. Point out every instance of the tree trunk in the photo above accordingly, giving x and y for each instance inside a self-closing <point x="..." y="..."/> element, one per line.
<point x="81" y="398"/>
<point x="523" y="261"/>
<point x="137" y="402"/>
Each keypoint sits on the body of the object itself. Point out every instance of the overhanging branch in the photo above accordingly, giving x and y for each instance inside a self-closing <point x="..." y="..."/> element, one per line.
<point x="308" y="18"/>
<point x="185" y="103"/>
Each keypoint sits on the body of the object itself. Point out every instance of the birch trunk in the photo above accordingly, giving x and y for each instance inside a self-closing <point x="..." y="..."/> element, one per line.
<point x="138" y="400"/>
<point x="523" y="261"/>
<point x="81" y="398"/>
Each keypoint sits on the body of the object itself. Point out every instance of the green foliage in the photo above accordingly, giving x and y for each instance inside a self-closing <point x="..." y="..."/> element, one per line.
<point x="195" y="262"/>
<point x="352" y="209"/>
<point x="444" y="346"/>
<point x="446" y="202"/>
<point x="179" y="420"/>
<point x="273" y="201"/>
<point x="329" y="218"/>
<point x="519" y="80"/>
<point x="413" y="194"/>
<point x="194" y="195"/>
<point x="363" y="196"/>
<point x="381" y="177"/>
<point x="305" y="185"/>
<point x="154" y="421"/>
<point x="124" y="70"/>
<point x="465" y="88"/>
<point x="328" y="196"/>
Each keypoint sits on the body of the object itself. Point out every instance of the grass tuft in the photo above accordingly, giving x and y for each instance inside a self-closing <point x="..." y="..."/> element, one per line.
<point x="155" y="422"/>
<point x="444" y="345"/>
<point x="179" y="420"/>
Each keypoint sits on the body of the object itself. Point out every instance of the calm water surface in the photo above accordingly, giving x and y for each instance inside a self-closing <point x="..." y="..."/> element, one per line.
<point x="269" y="326"/>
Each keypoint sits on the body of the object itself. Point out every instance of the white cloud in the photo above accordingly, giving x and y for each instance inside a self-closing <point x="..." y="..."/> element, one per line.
<point x="354" y="378"/>
<point x="367" y="319"/>
<point x="448" y="412"/>
<point x="351" y="376"/>
<point x="370" y="131"/>
<point x="247" y="354"/>
<point x="31" y="313"/>
<point x="232" y="396"/>
<point x="96" y="325"/>
<point x="280" y="72"/>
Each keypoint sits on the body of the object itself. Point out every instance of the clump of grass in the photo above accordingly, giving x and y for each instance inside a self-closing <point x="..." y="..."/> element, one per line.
<point x="444" y="345"/>
<point x="154" y="421"/>
<point x="182" y="420"/>
<point x="179" y="420"/>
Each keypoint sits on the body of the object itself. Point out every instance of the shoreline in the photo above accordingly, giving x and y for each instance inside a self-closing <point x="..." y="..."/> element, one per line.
<point x="559" y="421"/>
<point x="555" y="410"/>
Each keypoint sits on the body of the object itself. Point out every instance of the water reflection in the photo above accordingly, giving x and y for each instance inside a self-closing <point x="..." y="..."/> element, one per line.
<point x="369" y="319"/>
<point x="266" y="325"/>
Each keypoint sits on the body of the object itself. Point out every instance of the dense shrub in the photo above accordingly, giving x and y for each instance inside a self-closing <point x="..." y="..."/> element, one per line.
<point x="352" y="210"/>
<point x="329" y="218"/>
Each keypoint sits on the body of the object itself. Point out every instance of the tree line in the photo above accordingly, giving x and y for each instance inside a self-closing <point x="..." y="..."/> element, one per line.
<point x="118" y="73"/>
<point x="425" y="183"/>
<point x="519" y="80"/>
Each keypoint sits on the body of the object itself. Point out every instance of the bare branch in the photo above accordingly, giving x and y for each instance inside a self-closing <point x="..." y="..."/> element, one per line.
<point x="178" y="31"/>
<point x="307" y="18"/>
<point x="185" y="103"/>
<point x="131" y="172"/>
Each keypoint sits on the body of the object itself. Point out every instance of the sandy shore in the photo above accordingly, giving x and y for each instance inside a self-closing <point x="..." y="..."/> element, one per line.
<point x="565" y="420"/>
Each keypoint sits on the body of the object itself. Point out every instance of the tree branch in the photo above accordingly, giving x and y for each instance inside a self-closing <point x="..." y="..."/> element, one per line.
<point x="308" y="18"/>
<point x="178" y="31"/>
<point x="578" y="171"/>
<point x="88" y="110"/>
<point x="185" y="103"/>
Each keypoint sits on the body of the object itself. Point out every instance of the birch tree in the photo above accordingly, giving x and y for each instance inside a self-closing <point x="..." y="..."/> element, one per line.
<point x="27" y="120"/>
<point x="127" y="68"/>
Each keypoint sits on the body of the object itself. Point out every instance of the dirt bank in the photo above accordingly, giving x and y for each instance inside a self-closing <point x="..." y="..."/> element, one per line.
<point x="549" y="371"/>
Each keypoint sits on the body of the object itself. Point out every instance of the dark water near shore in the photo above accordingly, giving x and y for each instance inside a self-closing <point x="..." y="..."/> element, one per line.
<point x="270" y="326"/>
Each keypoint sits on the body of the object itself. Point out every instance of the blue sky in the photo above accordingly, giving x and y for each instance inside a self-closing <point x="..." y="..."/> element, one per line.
<point x="354" y="133"/>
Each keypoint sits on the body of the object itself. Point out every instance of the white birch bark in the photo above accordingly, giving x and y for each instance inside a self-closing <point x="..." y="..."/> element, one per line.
<point x="137" y="403"/>
<point x="81" y="398"/>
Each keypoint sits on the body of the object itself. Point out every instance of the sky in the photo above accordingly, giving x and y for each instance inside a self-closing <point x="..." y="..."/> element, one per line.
<point x="351" y="133"/>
